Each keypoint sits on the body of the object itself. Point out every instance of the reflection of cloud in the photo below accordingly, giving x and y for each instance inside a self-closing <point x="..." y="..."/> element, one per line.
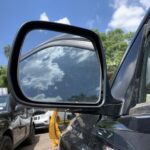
<point x="81" y="55"/>
<point x="40" y="71"/>
<point x="42" y="97"/>
<point x="98" y="89"/>
<point x="46" y="72"/>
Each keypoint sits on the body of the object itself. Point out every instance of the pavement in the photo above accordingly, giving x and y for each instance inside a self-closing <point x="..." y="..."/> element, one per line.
<point x="42" y="142"/>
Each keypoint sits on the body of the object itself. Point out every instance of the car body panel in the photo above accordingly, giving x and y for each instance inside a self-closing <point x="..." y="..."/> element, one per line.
<point x="16" y="123"/>
<point x="86" y="132"/>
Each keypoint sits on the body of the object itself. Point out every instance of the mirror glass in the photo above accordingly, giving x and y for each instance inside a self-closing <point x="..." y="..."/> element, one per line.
<point x="59" y="67"/>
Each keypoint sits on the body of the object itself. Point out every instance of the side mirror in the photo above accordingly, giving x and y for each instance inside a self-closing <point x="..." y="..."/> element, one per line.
<point x="57" y="66"/>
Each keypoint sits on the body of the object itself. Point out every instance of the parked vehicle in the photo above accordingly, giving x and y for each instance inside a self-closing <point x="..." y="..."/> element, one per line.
<point x="70" y="73"/>
<point x="41" y="119"/>
<point x="16" y="124"/>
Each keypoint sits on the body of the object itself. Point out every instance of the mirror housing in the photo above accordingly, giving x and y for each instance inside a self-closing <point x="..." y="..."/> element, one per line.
<point x="19" y="107"/>
<point x="14" y="60"/>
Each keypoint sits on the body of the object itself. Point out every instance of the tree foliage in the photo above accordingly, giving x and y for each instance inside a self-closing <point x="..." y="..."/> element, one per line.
<point x="3" y="76"/>
<point x="3" y="69"/>
<point x="115" y="43"/>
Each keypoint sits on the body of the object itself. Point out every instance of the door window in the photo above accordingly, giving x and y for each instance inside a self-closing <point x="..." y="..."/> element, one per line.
<point x="148" y="73"/>
<point x="143" y="103"/>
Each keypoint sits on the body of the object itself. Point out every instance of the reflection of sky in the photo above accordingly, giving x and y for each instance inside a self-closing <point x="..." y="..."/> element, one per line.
<point x="42" y="62"/>
<point x="3" y="103"/>
<point x="35" y="38"/>
<point x="60" y="73"/>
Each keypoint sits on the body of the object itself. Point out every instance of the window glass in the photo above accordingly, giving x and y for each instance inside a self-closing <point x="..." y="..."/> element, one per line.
<point x="3" y="103"/>
<point x="148" y="76"/>
<point x="61" y="73"/>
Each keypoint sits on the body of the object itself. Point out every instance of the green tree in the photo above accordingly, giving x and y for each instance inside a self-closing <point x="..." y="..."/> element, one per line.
<point x="115" y="43"/>
<point x="3" y="69"/>
<point x="3" y="77"/>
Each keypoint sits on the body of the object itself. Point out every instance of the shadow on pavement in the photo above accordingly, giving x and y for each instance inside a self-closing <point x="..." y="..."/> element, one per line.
<point x="25" y="146"/>
<point x="41" y="131"/>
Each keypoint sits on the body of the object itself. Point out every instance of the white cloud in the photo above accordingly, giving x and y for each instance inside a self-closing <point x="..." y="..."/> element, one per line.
<point x="145" y="3"/>
<point x="127" y="14"/>
<point x="44" y="17"/>
<point x="127" y="18"/>
<point x="64" y="20"/>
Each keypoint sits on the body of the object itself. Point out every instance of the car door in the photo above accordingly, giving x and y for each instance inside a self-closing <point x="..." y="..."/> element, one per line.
<point x="139" y="114"/>
<point x="20" y="115"/>
<point x="24" y="121"/>
<point x="15" y="125"/>
<point x="28" y="120"/>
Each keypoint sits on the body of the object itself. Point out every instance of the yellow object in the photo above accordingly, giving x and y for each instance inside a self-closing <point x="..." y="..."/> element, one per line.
<point x="54" y="131"/>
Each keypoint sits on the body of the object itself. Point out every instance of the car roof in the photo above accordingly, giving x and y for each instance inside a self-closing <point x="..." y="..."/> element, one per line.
<point x="62" y="40"/>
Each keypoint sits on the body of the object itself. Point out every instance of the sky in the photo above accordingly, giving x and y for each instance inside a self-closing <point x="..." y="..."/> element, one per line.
<point x="103" y="15"/>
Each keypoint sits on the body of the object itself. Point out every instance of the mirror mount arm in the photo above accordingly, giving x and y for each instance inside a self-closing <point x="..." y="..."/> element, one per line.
<point x="112" y="107"/>
<point x="112" y="110"/>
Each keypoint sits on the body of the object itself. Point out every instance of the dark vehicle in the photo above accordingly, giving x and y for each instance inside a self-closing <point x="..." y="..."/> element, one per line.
<point x="16" y="124"/>
<point x="69" y="73"/>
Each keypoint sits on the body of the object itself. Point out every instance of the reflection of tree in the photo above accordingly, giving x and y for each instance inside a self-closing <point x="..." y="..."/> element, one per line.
<point x="83" y="98"/>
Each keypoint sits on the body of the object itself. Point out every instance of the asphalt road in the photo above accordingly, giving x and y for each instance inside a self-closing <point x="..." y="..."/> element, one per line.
<point x="42" y="142"/>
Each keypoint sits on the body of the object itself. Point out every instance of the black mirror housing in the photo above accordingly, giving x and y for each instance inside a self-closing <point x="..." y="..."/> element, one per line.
<point x="19" y="107"/>
<point x="15" y="59"/>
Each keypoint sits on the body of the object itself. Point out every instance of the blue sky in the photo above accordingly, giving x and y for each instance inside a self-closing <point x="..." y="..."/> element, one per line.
<point x="100" y="14"/>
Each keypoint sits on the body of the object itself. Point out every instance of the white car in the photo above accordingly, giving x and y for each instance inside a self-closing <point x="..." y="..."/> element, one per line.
<point x="41" y="119"/>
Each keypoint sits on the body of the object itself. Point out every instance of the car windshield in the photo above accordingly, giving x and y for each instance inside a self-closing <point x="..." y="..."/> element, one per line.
<point x="3" y="103"/>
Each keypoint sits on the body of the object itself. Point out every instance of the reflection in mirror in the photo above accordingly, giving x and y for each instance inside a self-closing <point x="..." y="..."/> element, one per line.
<point x="65" y="69"/>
